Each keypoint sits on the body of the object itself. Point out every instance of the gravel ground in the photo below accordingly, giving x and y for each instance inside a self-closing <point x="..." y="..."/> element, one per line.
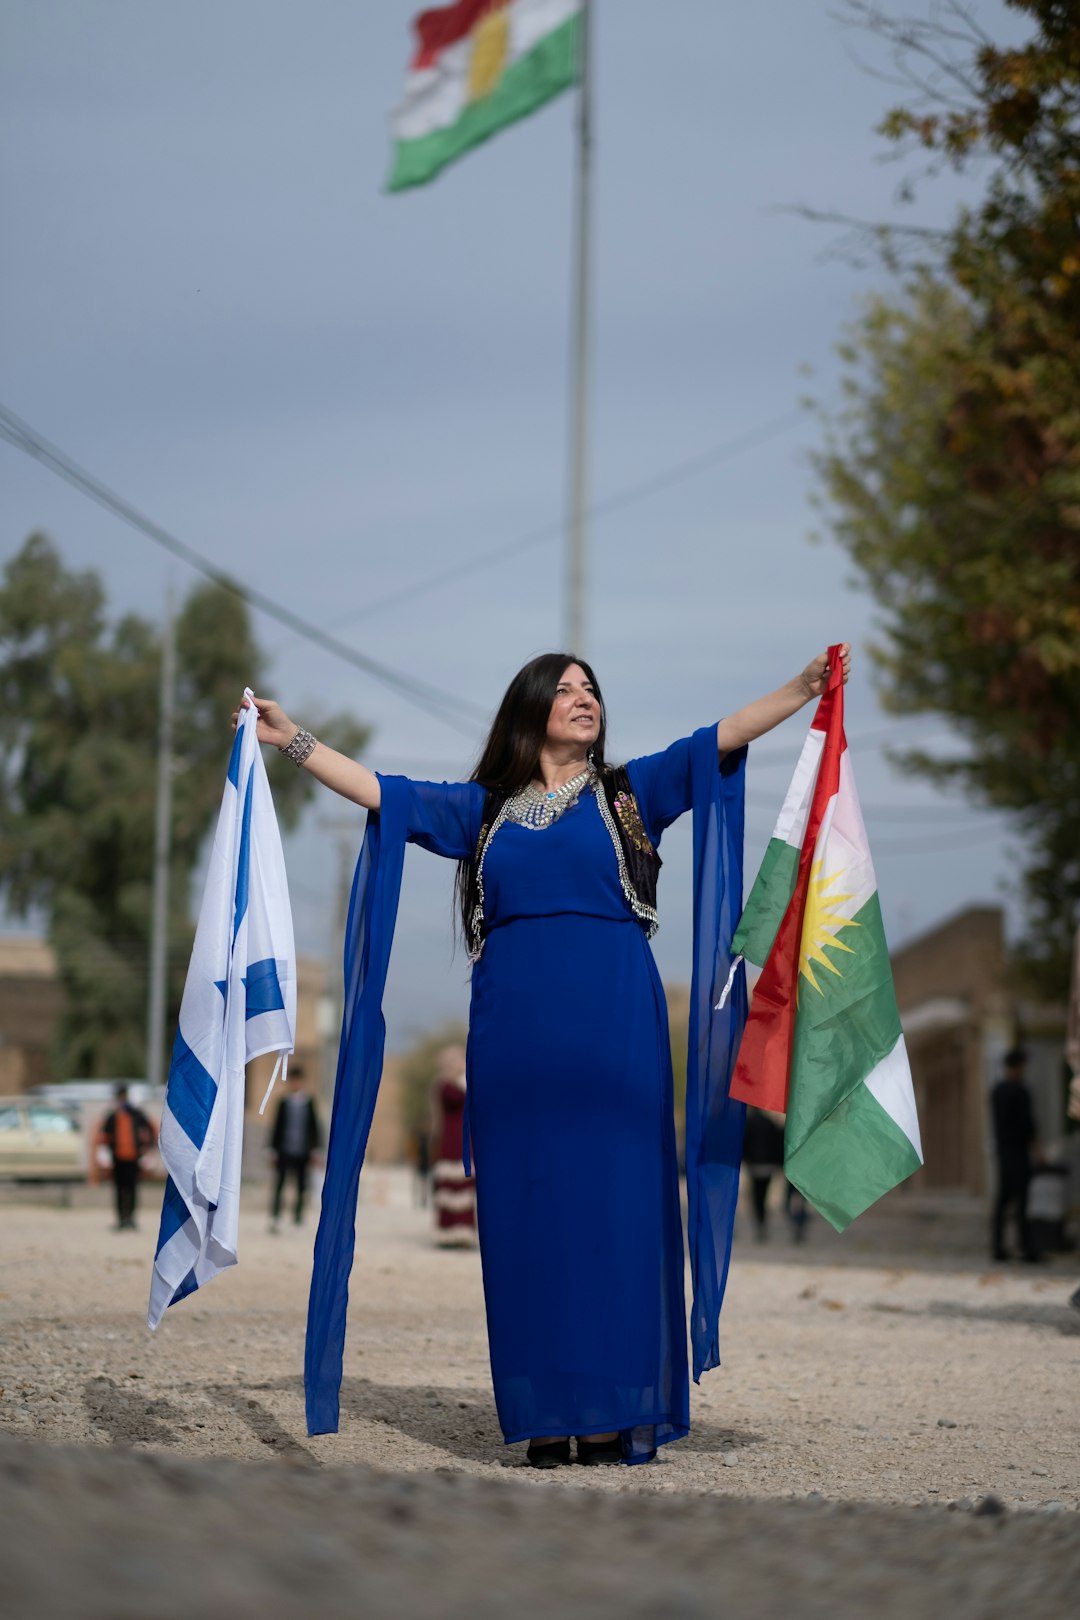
<point x="860" y="1400"/>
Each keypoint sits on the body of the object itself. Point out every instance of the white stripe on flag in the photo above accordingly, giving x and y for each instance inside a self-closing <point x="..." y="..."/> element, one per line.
<point x="435" y="97"/>
<point x="842" y="846"/>
<point x="795" y="810"/>
<point x="532" y="20"/>
<point x="890" y="1083"/>
<point x="239" y="1001"/>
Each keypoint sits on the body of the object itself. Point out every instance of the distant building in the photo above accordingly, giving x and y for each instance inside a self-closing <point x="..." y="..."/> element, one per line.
<point x="30" y="1002"/>
<point x="960" y="1013"/>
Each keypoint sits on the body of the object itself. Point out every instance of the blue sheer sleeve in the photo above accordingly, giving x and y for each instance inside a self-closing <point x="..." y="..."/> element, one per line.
<point x="690" y="775"/>
<point x="442" y="817"/>
<point x="714" y="1120"/>
<point x="663" y="786"/>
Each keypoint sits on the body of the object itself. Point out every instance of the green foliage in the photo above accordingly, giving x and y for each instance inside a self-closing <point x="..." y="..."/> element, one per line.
<point x="78" y="733"/>
<point x="953" y="467"/>
<point x="418" y="1065"/>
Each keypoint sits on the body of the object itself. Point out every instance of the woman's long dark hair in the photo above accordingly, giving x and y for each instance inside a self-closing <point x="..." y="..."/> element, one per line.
<point x="511" y="754"/>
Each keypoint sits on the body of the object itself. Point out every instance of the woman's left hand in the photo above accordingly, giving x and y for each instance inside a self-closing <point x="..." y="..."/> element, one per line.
<point x="815" y="677"/>
<point x="764" y="713"/>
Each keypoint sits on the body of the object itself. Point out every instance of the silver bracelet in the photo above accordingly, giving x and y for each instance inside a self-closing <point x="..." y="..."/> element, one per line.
<point x="300" y="748"/>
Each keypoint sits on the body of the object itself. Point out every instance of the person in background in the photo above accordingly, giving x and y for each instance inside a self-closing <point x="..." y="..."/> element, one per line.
<point x="455" y="1192"/>
<point x="1014" y="1146"/>
<point x="797" y="1210"/>
<point x="1073" y="1111"/>
<point x="420" y="1158"/>
<point x="763" y="1156"/>
<point x="126" y="1134"/>
<point x="295" y="1138"/>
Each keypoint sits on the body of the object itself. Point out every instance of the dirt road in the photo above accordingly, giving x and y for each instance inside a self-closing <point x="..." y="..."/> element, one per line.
<point x="858" y="1403"/>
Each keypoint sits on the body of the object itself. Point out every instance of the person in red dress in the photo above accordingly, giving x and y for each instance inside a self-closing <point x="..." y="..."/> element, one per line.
<point x="455" y="1192"/>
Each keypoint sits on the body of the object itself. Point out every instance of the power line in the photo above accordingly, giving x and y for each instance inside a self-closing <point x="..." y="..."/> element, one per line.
<point x="677" y="473"/>
<point x="879" y="738"/>
<point x="932" y="846"/>
<point x="876" y="738"/>
<point x="945" y="815"/>
<point x="452" y="711"/>
<point x="923" y="819"/>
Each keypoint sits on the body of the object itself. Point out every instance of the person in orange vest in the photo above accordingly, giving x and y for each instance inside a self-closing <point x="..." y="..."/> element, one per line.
<point x="127" y="1134"/>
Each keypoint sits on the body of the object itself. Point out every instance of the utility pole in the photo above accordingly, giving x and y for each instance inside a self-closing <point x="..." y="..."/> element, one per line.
<point x="577" y="480"/>
<point x="159" y="932"/>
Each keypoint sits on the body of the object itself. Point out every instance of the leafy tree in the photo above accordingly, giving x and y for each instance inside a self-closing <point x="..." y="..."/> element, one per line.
<point x="953" y="467"/>
<point x="78" y="732"/>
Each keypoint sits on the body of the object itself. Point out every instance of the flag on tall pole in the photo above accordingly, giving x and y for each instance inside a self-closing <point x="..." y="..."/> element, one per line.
<point x="239" y="1002"/>
<point x="823" y="1042"/>
<point x="478" y="66"/>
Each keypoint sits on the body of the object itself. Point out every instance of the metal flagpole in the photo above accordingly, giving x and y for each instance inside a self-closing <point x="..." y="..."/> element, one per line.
<point x="159" y="931"/>
<point x="577" y="481"/>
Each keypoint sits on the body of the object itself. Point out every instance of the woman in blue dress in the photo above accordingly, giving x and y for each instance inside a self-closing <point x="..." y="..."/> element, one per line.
<point x="571" y="1114"/>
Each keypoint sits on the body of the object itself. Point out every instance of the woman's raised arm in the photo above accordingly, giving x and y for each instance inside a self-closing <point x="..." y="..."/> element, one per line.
<point x="336" y="771"/>
<point x="766" y="712"/>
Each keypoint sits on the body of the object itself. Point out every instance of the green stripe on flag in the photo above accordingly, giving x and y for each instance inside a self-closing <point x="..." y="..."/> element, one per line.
<point x="769" y="898"/>
<point x="550" y="67"/>
<point x="843" y="1030"/>
<point x="853" y="1157"/>
<point x="842" y="1150"/>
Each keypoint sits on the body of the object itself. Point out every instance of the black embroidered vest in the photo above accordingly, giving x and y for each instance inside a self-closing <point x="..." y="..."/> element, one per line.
<point x="639" y="864"/>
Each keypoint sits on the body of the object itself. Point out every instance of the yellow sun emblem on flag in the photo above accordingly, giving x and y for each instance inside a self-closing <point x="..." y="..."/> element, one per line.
<point x="490" y="47"/>
<point x="822" y="919"/>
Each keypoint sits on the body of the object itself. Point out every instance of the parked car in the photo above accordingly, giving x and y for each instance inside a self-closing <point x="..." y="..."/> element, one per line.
<point x="90" y="1101"/>
<point x="40" y="1141"/>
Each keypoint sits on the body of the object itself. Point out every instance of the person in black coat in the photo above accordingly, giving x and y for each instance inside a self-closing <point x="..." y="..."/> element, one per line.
<point x="763" y="1156"/>
<point x="295" y="1137"/>
<point x="1014" y="1145"/>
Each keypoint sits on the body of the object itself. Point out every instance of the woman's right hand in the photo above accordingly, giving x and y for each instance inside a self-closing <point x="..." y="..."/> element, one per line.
<point x="274" y="725"/>
<point x="335" y="771"/>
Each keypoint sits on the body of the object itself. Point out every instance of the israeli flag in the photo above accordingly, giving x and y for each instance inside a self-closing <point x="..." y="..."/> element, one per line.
<point x="239" y="1002"/>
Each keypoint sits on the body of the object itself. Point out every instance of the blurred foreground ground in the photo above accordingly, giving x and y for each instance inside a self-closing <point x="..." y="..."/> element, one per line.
<point x="876" y="1389"/>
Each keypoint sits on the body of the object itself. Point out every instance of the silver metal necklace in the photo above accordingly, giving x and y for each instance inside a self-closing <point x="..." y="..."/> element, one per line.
<point x="536" y="808"/>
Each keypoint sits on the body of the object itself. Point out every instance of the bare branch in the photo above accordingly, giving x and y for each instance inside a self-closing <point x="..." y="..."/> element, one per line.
<point x="919" y="36"/>
<point x="968" y="17"/>
<point x="929" y="233"/>
<point x="867" y="242"/>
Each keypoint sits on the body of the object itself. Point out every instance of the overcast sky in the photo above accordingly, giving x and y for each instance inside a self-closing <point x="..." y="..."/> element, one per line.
<point x="209" y="302"/>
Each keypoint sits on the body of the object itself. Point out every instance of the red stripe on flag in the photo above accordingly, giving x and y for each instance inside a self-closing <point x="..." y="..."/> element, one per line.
<point x="763" y="1069"/>
<point x="445" y="25"/>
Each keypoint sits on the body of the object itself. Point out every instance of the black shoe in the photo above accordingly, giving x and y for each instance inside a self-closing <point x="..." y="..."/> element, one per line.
<point x="594" y="1452"/>
<point x="548" y="1454"/>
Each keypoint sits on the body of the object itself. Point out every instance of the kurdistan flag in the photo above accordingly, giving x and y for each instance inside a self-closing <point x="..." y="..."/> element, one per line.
<point x="823" y="1042"/>
<point x="479" y="65"/>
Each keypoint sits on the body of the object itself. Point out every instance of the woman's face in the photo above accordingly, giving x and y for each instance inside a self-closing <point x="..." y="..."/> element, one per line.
<point x="575" y="712"/>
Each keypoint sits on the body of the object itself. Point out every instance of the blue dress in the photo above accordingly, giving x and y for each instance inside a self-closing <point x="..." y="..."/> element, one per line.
<point x="570" y="1101"/>
<point x="573" y="1133"/>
